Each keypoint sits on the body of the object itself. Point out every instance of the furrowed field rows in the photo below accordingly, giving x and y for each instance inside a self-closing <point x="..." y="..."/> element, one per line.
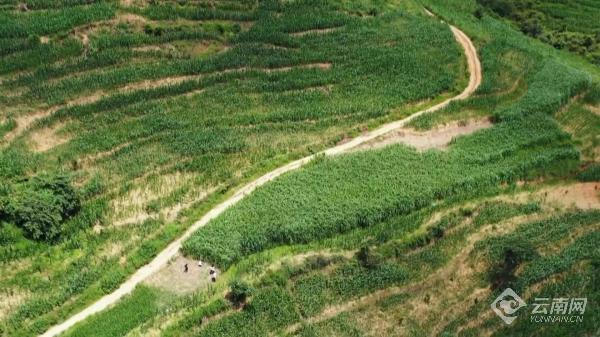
<point x="165" y="108"/>
<point x="141" y="91"/>
<point x="125" y="126"/>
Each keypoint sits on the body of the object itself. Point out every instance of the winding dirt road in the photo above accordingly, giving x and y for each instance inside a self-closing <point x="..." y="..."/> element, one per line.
<point x="172" y="249"/>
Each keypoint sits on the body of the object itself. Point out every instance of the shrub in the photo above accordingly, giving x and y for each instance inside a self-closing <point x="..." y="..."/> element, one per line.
<point x="367" y="258"/>
<point x="318" y="262"/>
<point x="514" y="252"/>
<point x="41" y="205"/>
<point x="239" y="292"/>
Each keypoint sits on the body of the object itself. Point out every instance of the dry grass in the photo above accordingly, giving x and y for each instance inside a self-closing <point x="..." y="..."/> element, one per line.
<point x="111" y="250"/>
<point x="315" y="31"/>
<point x="136" y="200"/>
<point x="594" y="109"/>
<point x="153" y="84"/>
<point x="44" y="139"/>
<point x="132" y="207"/>
<point x="10" y="299"/>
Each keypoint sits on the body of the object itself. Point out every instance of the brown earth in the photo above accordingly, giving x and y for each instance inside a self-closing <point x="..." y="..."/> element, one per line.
<point x="315" y="31"/>
<point x="46" y="138"/>
<point x="172" y="277"/>
<point x="439" y="137"/>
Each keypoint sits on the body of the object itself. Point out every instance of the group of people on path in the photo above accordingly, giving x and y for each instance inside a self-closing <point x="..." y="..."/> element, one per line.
<point x="212" y="271"/>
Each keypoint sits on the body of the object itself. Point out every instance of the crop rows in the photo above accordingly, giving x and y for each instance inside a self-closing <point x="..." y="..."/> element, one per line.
<point x="329" y="198"/>
<point x="263" y="96"/>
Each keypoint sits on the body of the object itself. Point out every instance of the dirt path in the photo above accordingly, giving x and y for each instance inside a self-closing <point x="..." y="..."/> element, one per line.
<point x="439" y="137"/>
<point x="172" y="249"/>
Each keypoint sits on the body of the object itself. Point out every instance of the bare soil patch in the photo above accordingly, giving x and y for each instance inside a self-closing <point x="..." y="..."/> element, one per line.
<point x="579" y="195"/>
<point x="47" y="138"/>
<point x="315" y="31"/>
<point x="131" y="18"/>
<point x="439" y="137"/>
<point x="153" y="84"/>
<point x="85" y="40"/>
<point x="172" y="276"/>
<point x="582" y="196"/>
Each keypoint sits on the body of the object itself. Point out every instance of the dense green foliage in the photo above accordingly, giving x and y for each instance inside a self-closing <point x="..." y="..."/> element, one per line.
<point x="40" y="206"/>
<point x="240" y="290"/>
<point x="321" y="280"/>
<point x="520" y="246"/>
<point x="52" y="21"/>
<point x="345" y="201"/>
<point x="571" y="25"/>
<point x="316" y="202"/>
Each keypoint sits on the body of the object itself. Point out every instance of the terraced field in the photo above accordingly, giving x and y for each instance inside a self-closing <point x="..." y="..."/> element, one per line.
<point x="157" y="111"/>
<point x="133" y="129"/>
<point x="571" y="25"/>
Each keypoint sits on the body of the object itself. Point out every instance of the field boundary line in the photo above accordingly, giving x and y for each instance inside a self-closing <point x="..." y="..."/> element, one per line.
<point x="442" y="273"/>
<point x="173" y="248"/>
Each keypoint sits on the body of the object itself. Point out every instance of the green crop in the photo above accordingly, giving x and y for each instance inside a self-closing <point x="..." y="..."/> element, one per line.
<point x="188" y="100"/>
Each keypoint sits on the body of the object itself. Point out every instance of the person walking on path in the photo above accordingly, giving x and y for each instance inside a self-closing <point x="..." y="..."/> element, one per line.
<point x="185" y="268"/>
<point x="213" y="274"/>
<point x="200" y="263"/>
